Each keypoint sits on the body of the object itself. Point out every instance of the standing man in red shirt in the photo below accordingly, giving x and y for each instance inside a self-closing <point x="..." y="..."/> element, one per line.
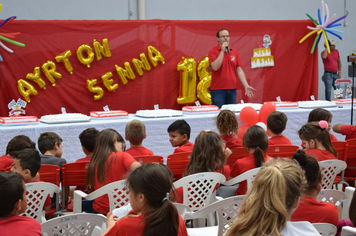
<point x="332" y="68"/>
<point x="226" y="67"/>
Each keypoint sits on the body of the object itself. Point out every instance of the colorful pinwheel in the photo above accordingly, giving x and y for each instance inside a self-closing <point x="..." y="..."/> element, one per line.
<point x="8" y="36"/>
<point x="325" y="25"/>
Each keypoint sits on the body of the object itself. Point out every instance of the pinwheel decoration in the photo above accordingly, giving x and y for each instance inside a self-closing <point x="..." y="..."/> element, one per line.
<point x="325" y="24"/>
<point x="8" y="36"/>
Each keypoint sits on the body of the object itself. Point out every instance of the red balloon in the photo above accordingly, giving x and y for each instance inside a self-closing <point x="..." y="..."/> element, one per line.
<point x="249" y="115"/>
<point x="265" y="110"/>
<point x="241" y="131"/>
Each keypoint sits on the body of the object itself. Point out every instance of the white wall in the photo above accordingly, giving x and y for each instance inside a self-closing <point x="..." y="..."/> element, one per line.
<point x="192" y="10"/>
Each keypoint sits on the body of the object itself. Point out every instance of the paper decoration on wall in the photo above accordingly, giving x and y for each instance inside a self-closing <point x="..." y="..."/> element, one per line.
<point x="325" y="25"/>
<point x="262" y="56"/>
<point x="16" y="107"/>
<point x="6" y="36"/>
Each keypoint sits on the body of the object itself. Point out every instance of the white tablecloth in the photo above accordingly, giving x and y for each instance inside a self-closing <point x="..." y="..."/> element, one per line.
<point x="156" y="130"/>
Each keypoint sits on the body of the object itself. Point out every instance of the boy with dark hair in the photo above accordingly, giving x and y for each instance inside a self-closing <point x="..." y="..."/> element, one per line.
<point x="27" y="163"/>
<point x="276" y="124"/>
<point x="87" y="140"/>
<point x="50" y="145"/>
<point x="179" y="134"/>
<point x="13" y="203"/>
<point x="17" y="143"/>
<point x="135" y="133"/>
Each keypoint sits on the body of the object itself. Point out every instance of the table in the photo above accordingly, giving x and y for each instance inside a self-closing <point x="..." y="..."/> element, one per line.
<point x="156" y="129"/>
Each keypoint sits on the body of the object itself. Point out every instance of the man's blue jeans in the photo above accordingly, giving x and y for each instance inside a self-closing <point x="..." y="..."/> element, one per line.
<point x="223" y="96"/>
<point x="329" y="81"/>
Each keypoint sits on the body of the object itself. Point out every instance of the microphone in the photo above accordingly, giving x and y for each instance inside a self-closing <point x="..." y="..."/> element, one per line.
<point x="228" y="49"/>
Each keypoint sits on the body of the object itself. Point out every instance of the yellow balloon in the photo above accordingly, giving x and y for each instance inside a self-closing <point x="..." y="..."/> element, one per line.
<point x="156" y="57"/>
<point x="88" y="58"/>
<point x="99" y="92"/>
<point x="101" y="49"/>
<point x="141" y="64"/>
<point x="35" y="76"/>
<point x="203" y="91"/>
<point x="125" y="73"/>
<point x="108" y="82"/>
<point x="187" y="81"/>
<point x="49" y="69"/>
<point x="64" y="57"/>
<point x="26" y="89"/>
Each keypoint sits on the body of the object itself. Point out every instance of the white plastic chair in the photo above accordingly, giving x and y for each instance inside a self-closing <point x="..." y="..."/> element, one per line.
<point x="75" y="224"/>
<point x="182" y="209"/>
<point x="349" y="191"/>
<point x="330" y="169"/>
<point x="37" y="193"/>
<point x="325" y="229"/>
<point x="331" y="195"/>
<point x="227" y="211"/>
<point x="348" y="231"/>
<point x="117" y="192"/>
<point x="249" y="176"/>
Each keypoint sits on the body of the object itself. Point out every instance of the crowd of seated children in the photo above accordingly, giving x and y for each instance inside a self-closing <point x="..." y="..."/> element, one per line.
<point x="108" y="164"/>
<point x="270" y="202"/>
<point x="316" y="140"/>
<point x="135" y="133"/>
<point x="87" y="139"/>
<point x="27" y="163"/>
<point x="153" y="213"/>
<point x="310" y="209"/>
<point x="255" y="141"/>
<point x="13" y="203"/>
<point x="17" y="143"/>
<point x="276" y="124"/>
<point x="228" y="126"/>
<point x="179" y="134"/>
<point x="209" y="155"/>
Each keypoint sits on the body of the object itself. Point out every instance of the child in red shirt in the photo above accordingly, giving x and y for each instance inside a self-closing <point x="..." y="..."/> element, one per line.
<point x="316" y="140"/>
<point x="179" y="134"/>
<point x="153" y="213"/>
<point x="348" y="130"/>
<point x="87" y="139"/>
<point x="135" y="133"/>
<point x="276" y="124"/>
<point x="228" y="126"/>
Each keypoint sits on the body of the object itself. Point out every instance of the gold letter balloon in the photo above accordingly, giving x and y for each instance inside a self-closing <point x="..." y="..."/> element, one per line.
<point x="203" y="91"/>
<point x="187" y="81"/>
<point x="85" y="59"/>
<point x="99" y="92"/>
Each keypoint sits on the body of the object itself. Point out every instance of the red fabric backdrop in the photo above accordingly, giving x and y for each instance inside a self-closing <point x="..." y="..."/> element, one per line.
<point x="294" y="76"/>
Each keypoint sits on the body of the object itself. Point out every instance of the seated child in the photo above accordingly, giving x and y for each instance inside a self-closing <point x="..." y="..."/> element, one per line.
<point x="13" y="203"/>
<point x="319" y="114"/>
<point x="276" y="124"/>
<point x="135" y="133"/>
<point x="228" y="126"/>
<point x="50" y="145"/>
<point x="348" y="130"/>
<point x="27" y="163"/>
<point x="87" y="140"/>
<point x="256" y="142"/>
<point x="316" y="140"/>
<point x="17" y="143"/>
<point x="310" y="209"/>
<point x="153" y="213"/>
<point x="179" y="134"/>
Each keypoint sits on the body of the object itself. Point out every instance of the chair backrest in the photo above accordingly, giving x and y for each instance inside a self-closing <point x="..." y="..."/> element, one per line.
<point x="50" y="174"/>
<point x="199" y="189"/>
<point x="348" y="231"/>
<point x="74" y="174"/>
<point x="182" y="209"/>
<point x="332" y="196"/>
<point x="249" y="176"/>
<point x="349" y="191"/>
<point x="75" y="224"/>
<point x="177" y="163"/>
<point x="341" y="148"/>
<point x="282" y="150"/>
<point x="325" y="229"/>
<point x="351" y="158"/>
<point x="149" y="158"/>
<point x="330" y="168"/>
<point x="237" y="153"/>
<point x="37" y="193"/>
<point x="227" y="212"/>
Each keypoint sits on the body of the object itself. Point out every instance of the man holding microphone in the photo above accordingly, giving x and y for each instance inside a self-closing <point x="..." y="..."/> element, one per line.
<point x="226" y="67"/>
